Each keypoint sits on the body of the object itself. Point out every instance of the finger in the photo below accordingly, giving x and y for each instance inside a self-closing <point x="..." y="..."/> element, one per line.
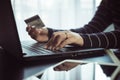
<point x="32" y="31"/>
<point x="63" y="43"/>
<point x="33" y="35"/>
<point x="57" y="41"/>
<point x="53" y="42"/>
<point x="50" y="42"/>
<point x="28" y="28"/>
<point x="60" y="37"/>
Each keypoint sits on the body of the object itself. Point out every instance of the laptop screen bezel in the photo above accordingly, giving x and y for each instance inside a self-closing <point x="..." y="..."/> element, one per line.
<point x="9" y="38"/>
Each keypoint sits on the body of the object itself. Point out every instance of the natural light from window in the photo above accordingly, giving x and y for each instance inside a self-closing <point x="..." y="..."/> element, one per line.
<point x="57" y="14"/>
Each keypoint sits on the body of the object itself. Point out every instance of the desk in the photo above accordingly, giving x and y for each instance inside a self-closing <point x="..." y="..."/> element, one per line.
<point x="11" y="69"/>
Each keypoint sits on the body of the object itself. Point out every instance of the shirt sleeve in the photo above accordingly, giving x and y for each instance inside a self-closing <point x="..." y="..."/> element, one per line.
<point x="102" y="40"/>
<point x="93" y="34"/>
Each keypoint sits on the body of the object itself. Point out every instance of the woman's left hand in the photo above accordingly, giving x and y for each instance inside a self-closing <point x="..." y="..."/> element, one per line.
<point x="61" y="38"/>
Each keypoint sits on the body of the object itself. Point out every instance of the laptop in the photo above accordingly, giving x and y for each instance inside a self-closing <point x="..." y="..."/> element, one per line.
<point x="32" y="50"/>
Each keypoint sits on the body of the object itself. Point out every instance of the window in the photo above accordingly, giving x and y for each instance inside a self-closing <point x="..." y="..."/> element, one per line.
<point x="57" y="14"/>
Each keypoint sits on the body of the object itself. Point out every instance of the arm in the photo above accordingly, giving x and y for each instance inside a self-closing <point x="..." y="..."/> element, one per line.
<point x="102" y="40"/>
<point x="98" y="38"/>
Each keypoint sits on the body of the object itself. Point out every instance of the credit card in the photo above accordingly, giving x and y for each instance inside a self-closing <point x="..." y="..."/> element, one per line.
<point x="35" y="21"/>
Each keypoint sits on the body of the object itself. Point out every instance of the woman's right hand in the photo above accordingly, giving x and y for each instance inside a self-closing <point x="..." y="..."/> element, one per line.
<point x="40" y="35"/>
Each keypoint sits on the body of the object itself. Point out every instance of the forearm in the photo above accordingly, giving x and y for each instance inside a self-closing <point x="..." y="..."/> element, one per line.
<point x="102" y="40"/>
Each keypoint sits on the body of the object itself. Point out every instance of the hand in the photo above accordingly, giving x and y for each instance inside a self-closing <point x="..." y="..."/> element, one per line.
<point x="40" y="35"/>
<point x="62" y="38"/>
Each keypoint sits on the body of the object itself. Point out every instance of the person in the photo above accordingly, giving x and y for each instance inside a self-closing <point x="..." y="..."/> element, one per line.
<point x="91" y="35"/>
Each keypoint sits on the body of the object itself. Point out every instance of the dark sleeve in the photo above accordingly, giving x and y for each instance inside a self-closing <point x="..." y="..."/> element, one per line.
<point x="102" y="40"/>
<point x="93" y="34"/>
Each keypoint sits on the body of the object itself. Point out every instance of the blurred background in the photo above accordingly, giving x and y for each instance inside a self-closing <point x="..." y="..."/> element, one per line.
<point x="57" y="14"/>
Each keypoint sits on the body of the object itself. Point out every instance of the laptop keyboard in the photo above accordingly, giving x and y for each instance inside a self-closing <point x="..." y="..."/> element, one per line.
<point x="36" y="47"/>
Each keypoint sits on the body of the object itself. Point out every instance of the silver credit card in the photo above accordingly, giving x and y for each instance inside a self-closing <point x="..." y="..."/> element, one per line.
<point x="34" y="21"/>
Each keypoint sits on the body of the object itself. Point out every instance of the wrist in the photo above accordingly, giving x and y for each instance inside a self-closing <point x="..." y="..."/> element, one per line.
<point x="67" y="34"/>
<point x="81" y="41"/>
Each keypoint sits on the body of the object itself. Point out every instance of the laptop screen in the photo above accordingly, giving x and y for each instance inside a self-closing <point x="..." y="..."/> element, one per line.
<point x="9" y="39"/>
